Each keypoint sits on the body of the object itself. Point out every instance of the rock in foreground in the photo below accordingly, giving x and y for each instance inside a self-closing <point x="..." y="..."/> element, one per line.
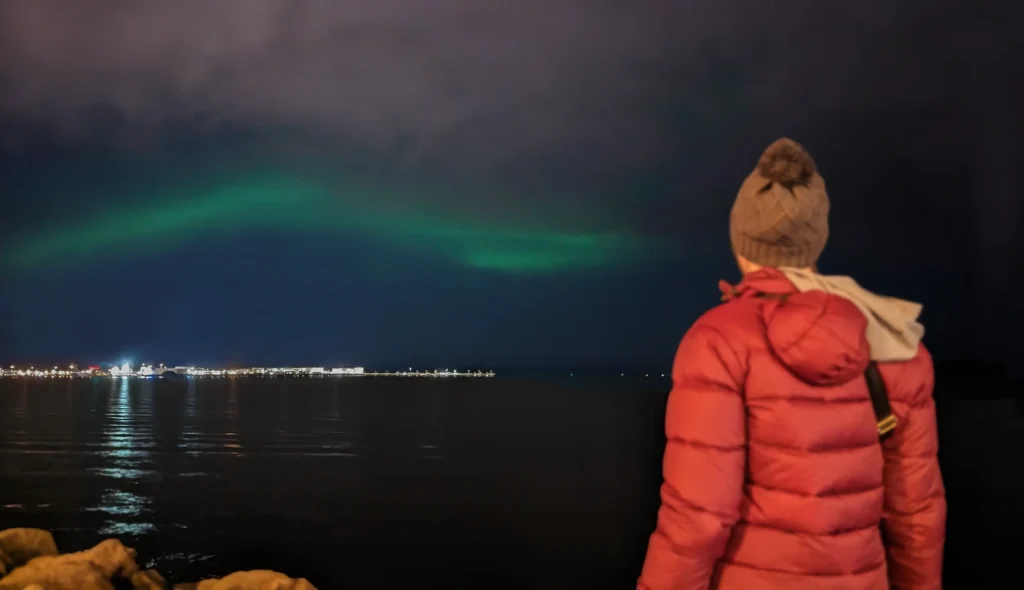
<point x="19" y="546"/>
<point x="95" y="569"/>
<point x="29" y="561"/>
<point x="148" y="580"/>
<point x="256" y="580"/>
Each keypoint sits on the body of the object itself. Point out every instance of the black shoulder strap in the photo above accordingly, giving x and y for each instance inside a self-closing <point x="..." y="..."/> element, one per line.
<point x="884" y="417"/>
<point x="880" y="401"/>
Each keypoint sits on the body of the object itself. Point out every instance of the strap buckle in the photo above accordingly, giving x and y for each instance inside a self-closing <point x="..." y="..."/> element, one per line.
<point x="887" y="425"/>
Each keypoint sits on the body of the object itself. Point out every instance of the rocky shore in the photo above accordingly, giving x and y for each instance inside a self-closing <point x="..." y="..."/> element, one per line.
<point x="29" y="560"/>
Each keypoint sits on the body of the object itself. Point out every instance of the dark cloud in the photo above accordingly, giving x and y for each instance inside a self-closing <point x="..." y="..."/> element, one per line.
<point x="420" y="73"/>
<point x="490" y="78"/>
<point x="610" y="101"/>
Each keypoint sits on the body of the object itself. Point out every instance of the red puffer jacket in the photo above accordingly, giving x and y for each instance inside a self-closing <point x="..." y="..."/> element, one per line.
<point x="774" y="474"/>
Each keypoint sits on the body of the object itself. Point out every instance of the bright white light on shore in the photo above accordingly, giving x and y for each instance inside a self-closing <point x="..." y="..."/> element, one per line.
<point x="115" y="371"/>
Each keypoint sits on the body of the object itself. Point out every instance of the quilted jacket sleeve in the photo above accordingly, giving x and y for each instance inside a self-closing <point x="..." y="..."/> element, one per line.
<point x="914" y="521"/>
<point x="703" y="465"/>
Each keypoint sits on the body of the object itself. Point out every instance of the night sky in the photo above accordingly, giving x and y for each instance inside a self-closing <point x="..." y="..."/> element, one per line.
<point x="475" y="182"/>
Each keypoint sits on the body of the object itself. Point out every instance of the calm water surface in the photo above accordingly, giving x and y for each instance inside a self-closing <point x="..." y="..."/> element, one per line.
<point x="370" y="483"/>
<point x="349" y="482"/>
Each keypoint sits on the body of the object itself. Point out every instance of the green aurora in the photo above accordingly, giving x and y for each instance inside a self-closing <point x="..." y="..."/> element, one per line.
<point x="285" y="203"/>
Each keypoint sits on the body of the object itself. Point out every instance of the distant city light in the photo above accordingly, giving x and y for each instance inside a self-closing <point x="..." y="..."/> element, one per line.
<point x="146" y="370"/>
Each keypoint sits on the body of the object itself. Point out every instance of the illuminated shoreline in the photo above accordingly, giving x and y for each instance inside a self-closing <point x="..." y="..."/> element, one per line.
<point x="163" y="371"/>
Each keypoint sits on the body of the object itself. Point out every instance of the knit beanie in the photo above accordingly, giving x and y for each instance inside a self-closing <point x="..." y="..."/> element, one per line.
<point x="780" y="217"/>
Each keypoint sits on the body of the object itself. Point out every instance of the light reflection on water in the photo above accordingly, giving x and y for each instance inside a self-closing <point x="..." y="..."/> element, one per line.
<point x="133" y="529"/>
<point x="190" y="399"/>
<point x="168" y="465"/>
<point x="231" y="438"/>
<point x="122" y="472"/>
<point x="432" y="444"/>
<point x="122" y="503"/>
<point x="128" y="434"/>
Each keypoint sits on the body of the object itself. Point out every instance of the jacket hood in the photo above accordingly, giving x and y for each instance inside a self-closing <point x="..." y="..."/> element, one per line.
<point x="819" y="337"/>
<point x="892" y="327"/>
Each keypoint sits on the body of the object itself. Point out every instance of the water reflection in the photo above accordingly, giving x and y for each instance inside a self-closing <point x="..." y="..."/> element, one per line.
<point x="156" y="462"/>
<point x="19" y="408"/>
<point x="231" y="413"/>
<point x="333" y="409"/>
<point x="127" y="440"/>
<point x="231" y="438"/>
<point x="432" y="442"/>
<point x="121" y="503"/>
<point x="134" y="529"/>
<point x="190" y="399"/>
<point x="67" y="419"/>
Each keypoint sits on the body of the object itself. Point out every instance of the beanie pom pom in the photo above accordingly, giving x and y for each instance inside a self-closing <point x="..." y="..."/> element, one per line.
<point x="786" y="162"/>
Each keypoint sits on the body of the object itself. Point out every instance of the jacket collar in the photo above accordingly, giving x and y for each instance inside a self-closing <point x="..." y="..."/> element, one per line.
<point x="764" y="281"/>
